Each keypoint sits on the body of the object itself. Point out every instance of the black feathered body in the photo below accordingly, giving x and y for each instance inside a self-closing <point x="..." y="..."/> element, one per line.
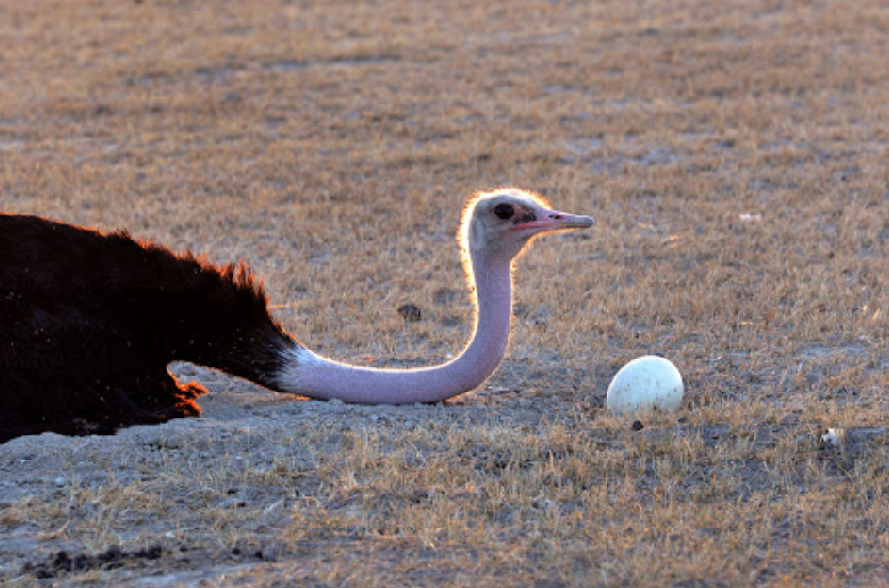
<point x="90" y="321"/>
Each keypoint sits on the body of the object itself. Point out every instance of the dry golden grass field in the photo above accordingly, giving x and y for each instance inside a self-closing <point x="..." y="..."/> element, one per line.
<point x="734" y="154"/>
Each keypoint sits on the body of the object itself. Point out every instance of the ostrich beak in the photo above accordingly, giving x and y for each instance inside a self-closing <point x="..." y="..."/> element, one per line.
<point x="554" y="220"/>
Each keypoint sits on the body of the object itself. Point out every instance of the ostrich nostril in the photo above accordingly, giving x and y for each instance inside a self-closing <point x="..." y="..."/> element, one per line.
<point x="556" y="216"/>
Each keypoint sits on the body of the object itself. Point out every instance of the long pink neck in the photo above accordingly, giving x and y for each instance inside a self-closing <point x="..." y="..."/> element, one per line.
<point x="311" y="375"/>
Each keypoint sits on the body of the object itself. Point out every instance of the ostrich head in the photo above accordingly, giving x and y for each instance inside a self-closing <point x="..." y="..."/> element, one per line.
<point x="501" y="223"/>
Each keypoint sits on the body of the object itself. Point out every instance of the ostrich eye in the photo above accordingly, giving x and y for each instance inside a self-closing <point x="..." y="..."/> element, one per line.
<point x="504" y="211"/>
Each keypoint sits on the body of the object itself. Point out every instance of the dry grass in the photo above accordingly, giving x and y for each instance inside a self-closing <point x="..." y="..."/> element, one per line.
<point x="735" y="157"/>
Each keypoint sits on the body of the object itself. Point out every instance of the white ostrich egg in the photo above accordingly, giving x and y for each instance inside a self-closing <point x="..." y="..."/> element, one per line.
<point x="646" y="382"/>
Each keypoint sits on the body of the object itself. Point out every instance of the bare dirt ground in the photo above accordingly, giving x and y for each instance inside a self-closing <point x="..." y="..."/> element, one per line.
<point x="734" y="155"/>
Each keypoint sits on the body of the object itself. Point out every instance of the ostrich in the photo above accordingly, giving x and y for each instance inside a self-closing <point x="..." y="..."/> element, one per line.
<point x="89" y="323"/>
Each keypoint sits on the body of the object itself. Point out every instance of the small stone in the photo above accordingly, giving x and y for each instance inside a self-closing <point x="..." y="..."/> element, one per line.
<point x="410" y="313"/>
